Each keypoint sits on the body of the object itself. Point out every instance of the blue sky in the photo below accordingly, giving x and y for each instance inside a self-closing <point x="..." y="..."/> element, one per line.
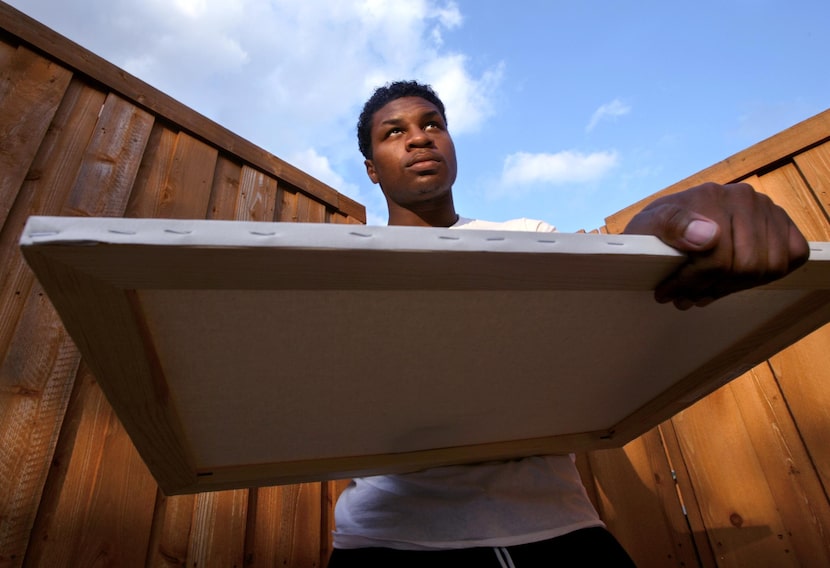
<point x="561" y="111"/>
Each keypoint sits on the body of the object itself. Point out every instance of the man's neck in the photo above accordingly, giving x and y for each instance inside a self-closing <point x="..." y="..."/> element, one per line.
<point x="440" y="215"/>
<point x="412" y="219"/>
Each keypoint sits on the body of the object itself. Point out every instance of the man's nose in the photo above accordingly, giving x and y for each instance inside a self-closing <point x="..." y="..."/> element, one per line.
<point x="418" y="139"/>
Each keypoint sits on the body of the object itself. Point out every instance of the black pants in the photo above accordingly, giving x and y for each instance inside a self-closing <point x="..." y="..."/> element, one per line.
<point x="593" y="547"/>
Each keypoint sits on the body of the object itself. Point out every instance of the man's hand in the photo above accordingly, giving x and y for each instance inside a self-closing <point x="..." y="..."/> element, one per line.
<point x="735" y="238"/>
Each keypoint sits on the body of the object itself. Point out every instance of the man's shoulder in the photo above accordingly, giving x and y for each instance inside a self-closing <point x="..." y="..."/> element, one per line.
<point x="520" y="224"/>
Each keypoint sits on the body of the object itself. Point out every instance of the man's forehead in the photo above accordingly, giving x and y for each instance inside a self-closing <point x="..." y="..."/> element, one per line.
<point x="403" y="106"/>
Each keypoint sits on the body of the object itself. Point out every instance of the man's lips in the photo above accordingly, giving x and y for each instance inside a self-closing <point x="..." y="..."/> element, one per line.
<point x="423" y="158"/>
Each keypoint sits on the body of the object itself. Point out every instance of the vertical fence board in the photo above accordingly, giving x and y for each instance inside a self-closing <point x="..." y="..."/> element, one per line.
<point x="788" y="471"/>
<point x="337" y="218"/>
<point x="287" y="202"/>
<point x="688" y="496"/>
<point x="111" y="163"/>
<point x="152" y="173"/>
<point x="310" y="210"/>
<point x="171" y="531"/>
<point x="121" y="507"/>
<point x="31" y="88"/>
<point x="35" y="382"/>
<point x="186" y="193"/>
<point x="51" y="536"/>
<point x="815" y="167"/>
<point x="787" y="188"/>
<point x="97" y="511"/>
<point x="218" y="537"/>
<point x="638" y="500"/>
<point x="287" y="527"/>
<point x="669" y="520"/>
<point x="225" y="190"/>
<point x="737" y="504"/>
<point x="63" y="504"/>
<point x="804" y="376"/>
<point x="257" y="196"/>
<point x="174" y="179"/>
<point x="103" y="506"/>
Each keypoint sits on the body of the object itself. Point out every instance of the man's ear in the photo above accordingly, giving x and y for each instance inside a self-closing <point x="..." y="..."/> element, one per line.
<point x="370" y="171"/>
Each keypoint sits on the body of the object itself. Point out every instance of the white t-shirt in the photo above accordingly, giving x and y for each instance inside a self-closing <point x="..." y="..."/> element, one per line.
<point x="490" y="504"/>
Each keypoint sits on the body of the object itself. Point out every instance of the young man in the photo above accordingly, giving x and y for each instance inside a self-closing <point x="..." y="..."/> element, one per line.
<point x="532" y="511"/>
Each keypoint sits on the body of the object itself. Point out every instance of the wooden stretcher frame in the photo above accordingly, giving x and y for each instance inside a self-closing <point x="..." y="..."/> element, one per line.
<point x="239" y="354"/>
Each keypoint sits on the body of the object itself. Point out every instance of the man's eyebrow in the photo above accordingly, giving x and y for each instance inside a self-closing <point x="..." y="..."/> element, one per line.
<point x="395" y="120"/>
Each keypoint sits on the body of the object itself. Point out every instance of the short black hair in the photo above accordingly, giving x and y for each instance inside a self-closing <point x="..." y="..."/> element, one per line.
<point x="387" y="94"/>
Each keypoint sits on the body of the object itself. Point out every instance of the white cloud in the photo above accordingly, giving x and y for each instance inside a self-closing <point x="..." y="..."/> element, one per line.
<point x="468" y="99"/>
<point x="612" y="110"/>
<point x="524" y="171"/>
<point x="288" y="76"/>
<point x="316" y="165"/>
<point x="192" y="8"/>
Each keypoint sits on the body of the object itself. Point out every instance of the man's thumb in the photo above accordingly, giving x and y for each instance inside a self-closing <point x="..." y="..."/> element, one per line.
<point x="700" y="232"/>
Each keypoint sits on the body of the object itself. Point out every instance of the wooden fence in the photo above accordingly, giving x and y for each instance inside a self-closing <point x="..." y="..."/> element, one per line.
<point x="739" y="479"/>
<point x="749" y="464"/>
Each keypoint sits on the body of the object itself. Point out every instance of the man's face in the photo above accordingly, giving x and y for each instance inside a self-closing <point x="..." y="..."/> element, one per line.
<point x="413" y="156"/>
